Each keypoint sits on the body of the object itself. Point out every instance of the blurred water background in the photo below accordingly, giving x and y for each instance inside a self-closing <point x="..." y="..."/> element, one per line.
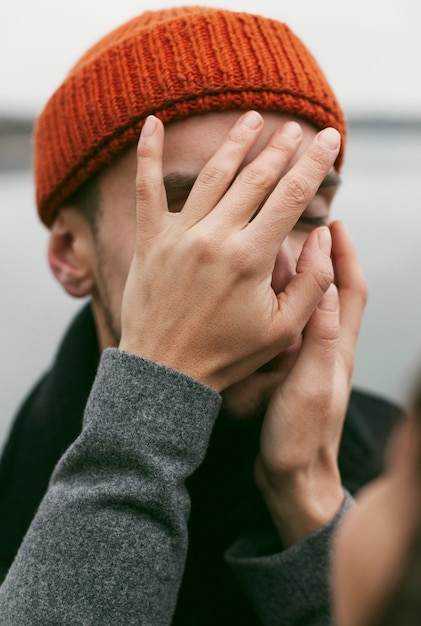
<point x="379" y="200"/>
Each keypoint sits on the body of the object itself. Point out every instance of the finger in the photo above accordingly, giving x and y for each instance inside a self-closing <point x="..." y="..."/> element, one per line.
<point x="294" y="191"/>
<point x="317" y="357"/>
<point x="352" y="289"/>
<point x="218" y="173"/>
<point x="305" y="290"/>
<point x="151" y="199"/>
<point x="256" y="181"/>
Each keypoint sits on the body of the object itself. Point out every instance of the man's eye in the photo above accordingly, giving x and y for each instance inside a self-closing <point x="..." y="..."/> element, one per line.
<point x="175" y="204"/>
<point x="312" y="221"/>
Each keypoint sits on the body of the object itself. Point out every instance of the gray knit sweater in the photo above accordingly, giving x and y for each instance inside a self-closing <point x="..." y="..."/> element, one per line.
<point x="108" y="544"/>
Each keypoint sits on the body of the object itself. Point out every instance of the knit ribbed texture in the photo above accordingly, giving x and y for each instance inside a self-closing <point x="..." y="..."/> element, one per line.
<point x="173" y="63"/>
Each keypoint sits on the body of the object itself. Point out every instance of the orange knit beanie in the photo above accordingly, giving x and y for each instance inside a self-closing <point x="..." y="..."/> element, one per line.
<point x="173" y="63"/>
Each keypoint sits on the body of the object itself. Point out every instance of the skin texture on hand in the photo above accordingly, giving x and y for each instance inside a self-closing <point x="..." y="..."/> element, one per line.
<point x="296" y="469"/>
<point x="199" y="295"/>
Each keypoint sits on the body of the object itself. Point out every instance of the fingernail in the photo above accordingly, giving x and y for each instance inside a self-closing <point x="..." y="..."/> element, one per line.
<point x="291" y="130"/>
<point x="325" y="240"/>
<point x="252" y="120"/>
<point x="329" y="138"/>
<point x="149" y="126"/>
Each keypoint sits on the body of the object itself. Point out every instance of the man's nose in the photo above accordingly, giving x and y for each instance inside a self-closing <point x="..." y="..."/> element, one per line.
<point x="285" y="267"/>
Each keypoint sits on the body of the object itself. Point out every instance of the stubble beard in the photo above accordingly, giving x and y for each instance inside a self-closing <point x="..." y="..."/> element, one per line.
<point x="103" y="298"/>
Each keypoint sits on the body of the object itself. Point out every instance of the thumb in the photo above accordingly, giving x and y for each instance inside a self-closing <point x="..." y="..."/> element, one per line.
<point x="317" y="357"/>
<point x="314" y="276"/>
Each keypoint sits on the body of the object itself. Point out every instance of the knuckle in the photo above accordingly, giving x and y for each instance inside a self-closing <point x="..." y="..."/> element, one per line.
<point x="256" y="177"/>
<point x="147" y="187"/>
<point x="328" y="334"/>
<point x="140" y="150"/>
<point x="297" y="190"/>
<point x="238" y="139"/>
<point x="143" y="149"/>
<point x="327" y="271"/>
<point x="239" y="261"/>
<point x="321" y="159"/>
<point x="324" y="276"/>
<point x="282" y="149"/>
<point x="213" y="175"/>
<point x="202" y="245"/>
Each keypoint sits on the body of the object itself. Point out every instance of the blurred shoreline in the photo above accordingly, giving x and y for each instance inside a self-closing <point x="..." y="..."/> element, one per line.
<point x="15" y="143"/>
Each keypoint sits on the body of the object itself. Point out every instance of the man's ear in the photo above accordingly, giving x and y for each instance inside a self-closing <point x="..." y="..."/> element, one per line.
<point x="71" y="253"/>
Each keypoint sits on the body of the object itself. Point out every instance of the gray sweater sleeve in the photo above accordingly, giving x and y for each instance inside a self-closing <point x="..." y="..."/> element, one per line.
<point x="109" y="541"/>
<point x="292" y="586"/>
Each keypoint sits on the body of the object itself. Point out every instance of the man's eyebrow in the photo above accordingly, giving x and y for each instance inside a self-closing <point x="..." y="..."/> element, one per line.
<point x="332" y="179"/>
<point x="179" y="182"/>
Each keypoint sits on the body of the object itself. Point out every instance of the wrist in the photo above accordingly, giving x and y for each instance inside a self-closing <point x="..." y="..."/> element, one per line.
<point x="301" y="502"/>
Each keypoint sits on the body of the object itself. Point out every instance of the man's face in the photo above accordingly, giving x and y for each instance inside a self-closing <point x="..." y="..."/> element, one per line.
<point x="189" y="144"/>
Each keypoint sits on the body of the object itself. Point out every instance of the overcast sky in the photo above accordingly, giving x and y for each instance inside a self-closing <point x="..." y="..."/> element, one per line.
<point x="369" y="49"/>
